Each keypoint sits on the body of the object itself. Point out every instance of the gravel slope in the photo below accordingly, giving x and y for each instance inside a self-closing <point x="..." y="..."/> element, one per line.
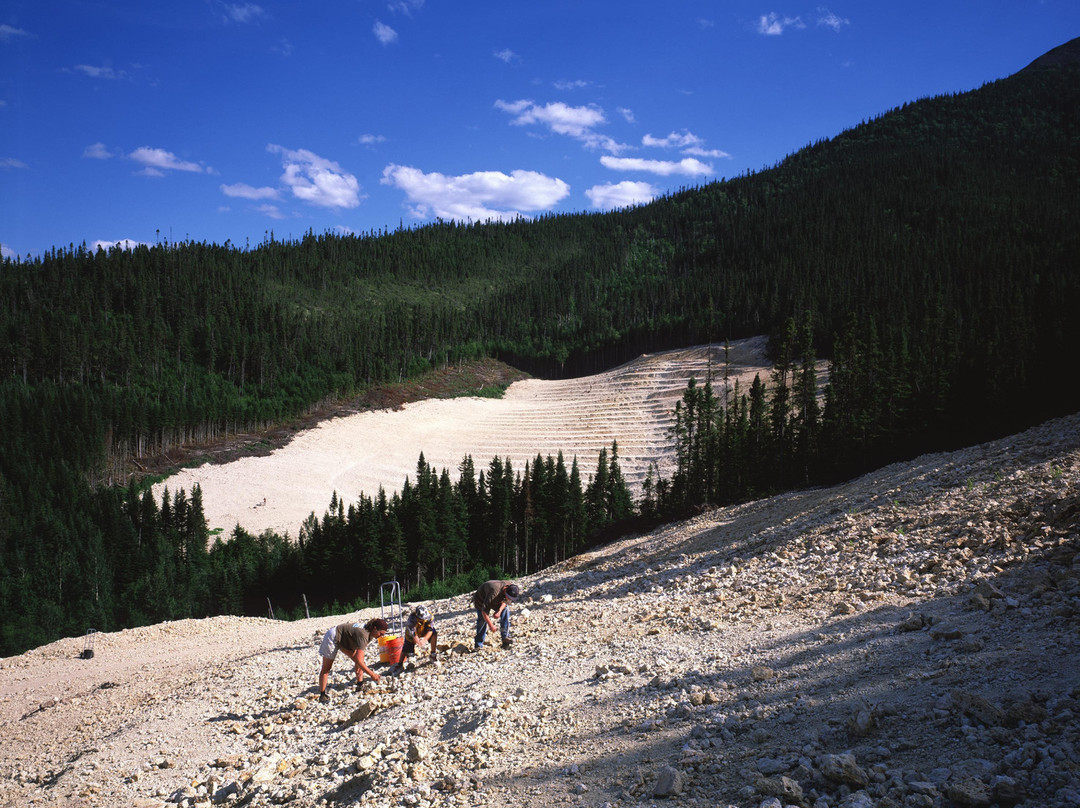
<point x="632" y="404"/>
<point x="906" y="639"/>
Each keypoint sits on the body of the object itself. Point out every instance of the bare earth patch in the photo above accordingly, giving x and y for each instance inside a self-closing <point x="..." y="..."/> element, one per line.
<point x="359" y="452"/>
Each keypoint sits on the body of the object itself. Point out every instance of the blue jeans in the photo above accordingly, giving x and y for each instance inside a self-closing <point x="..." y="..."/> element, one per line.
<point x="482" y="626"/>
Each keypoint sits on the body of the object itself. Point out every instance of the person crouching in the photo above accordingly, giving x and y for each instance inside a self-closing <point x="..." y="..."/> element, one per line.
<point x="419" y="631"/>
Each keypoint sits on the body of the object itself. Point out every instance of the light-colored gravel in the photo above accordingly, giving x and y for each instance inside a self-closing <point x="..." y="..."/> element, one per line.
<point x="632" y="404"/>
<point x="906" y="639"/>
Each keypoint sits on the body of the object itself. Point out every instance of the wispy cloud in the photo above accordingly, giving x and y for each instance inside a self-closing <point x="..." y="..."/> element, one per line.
<point x="103" y="72"/>
<point x="772" y="24"/>
<point x="688" y="167"/>
<point x="406" y="7"/>
<point x="686" y="142"/>
<point x="7" y="252"/>
<point x="577" y="122"/>
<point x="316" y="180"/>
<point x="676" y="140"/>
<point x="98" y="151"/>
<point x="384" y="33"/>
<point x="577" y="84"/>
<point x="620" y="195"/>
<point x="371" y="140"/>
<point x="477" y="197"/>
<point x="506" y="55"/>
<point x="242" y="190"/>
<point x="156" y="162"/>
<point x="123" y="244"/>
<point x="273" y="211"/>
<point x="11" y="162"/>
<point x="628" y="114"/>
<point x="244" y="12"/>
<point x="9" y="33"/>
<point x="826" y="17"/>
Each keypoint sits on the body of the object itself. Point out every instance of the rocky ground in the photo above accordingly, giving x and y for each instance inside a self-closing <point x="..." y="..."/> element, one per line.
<point x="910" y="638"/>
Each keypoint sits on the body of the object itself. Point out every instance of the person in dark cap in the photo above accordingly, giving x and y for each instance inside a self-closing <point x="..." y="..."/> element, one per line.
<point x="352" y="639"/>
<point x="492" y="602"/>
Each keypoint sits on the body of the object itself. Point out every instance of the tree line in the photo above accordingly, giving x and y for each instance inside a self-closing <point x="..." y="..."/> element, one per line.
<point x="137" y="560"/>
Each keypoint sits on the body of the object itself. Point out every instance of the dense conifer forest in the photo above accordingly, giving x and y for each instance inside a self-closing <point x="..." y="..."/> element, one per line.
<point x="931" y="255"/>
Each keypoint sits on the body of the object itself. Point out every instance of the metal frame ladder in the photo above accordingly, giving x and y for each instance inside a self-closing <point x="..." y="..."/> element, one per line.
<point x="390" y="607"/>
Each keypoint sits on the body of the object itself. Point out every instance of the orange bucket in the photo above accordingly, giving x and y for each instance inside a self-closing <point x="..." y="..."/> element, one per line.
<point x="390" y="649"/>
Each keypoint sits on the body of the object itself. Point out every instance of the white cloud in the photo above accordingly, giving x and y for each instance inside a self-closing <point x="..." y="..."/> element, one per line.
<point x="506" y="55"/>
<point x="384" y="33"/>
<point x="406" y="7"/>
<point x="316" y="180"/>
<point x="628" y="114"/>
<point x="7" y="252"/>
<point x="826" y="17"/>
<point x="577" y="84"/>
<point x="686" y="142"/>
<point x="157" y="161"/>
<point x="244" y="12"/>
<point x="123" y="244"/>
<point x="97" y="151"/>
<point x="562" y="119"/>
<point x="371" y="140"/>
<point x="11" y="162"/>
<point x="245" y="191"/>
<point x="620" y="195"/>
<point x="273" y="211"/>
<point x="477" y="197"/>
<point x="8" y="33"/>
<point x="688" y="167"/>
<point x="772" y="24"/>
<point x="675" y="140"/>
<point x="697" y="151"/>
<point x="95" y="72"/>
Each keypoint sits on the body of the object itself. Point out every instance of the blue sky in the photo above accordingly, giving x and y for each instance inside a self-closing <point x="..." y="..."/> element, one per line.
<point x="213" y="121"/>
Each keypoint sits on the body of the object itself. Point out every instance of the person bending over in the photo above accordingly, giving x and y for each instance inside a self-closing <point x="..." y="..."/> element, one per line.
<point x="351" y="639"/>
<point x="492" y="602"/>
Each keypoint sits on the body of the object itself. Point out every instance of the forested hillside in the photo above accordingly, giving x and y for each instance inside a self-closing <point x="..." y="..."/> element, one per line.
<point x="931" y="255"/>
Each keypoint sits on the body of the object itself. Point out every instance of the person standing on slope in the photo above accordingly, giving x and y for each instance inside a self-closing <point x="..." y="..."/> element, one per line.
<point x="352" y="639"/>
<point x="494" y="597"/>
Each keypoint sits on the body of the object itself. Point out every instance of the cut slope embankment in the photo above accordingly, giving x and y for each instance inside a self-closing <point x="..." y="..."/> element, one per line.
<point x="632" y="405"/>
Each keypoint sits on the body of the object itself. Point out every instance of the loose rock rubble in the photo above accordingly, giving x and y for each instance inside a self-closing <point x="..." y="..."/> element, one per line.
<point x="910" y="639"/>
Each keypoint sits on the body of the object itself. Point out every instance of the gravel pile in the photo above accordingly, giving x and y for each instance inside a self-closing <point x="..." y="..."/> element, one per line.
<point x="909" y="638"/>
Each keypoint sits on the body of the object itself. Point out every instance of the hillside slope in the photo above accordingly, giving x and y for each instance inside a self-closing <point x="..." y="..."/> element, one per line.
<point x="632" y="404"/>
<point x="907" y="638"/>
